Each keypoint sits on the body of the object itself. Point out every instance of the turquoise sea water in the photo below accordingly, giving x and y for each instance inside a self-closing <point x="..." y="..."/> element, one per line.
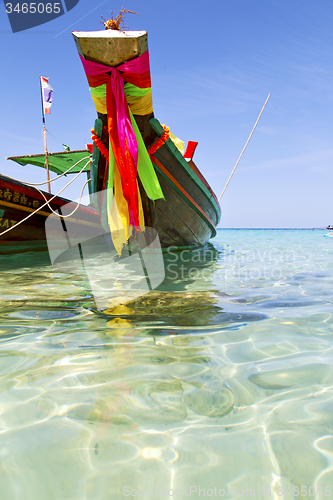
<point x="218" y="383"/>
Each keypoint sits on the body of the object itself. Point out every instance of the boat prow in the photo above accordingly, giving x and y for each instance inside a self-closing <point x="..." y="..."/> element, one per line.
<point x="110" y="47"/>
<point x="187" y="211"/>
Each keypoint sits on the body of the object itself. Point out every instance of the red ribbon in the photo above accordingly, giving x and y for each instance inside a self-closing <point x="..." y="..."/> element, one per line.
<point x="121" y="133"/>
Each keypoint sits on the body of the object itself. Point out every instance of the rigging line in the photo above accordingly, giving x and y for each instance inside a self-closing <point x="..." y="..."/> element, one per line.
<point x="33" y="184"/>
<point x="54" y="137"/>
<point x="47" y="203"/>
<point x="256" y="123"/>
<point x="80" y="19"/>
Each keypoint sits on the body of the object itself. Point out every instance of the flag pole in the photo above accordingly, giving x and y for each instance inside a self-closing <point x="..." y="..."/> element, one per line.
<point x="45" y="140"/>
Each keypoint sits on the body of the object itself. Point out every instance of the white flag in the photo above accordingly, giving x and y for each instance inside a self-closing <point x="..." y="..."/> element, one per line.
<point x="47" y="92"/>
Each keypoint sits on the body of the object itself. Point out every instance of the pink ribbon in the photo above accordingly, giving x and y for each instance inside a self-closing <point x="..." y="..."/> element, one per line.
<point x="119" y="121"/>
<point x="115" y="84"/>
<point x="124" y="125"/>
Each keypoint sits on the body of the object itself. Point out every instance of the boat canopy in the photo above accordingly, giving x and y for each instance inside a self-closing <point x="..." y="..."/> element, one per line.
<point x="58" y="162"/>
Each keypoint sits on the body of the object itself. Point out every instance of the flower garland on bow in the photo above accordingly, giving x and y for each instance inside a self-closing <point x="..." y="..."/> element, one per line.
<point x="160" y="141"/>
<point x="99" y="144"/>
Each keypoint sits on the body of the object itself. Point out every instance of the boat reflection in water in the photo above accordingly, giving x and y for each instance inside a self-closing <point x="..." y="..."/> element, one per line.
<point x="156" y="292"/>
<point x="161" y="349"/>
<point x="186" y="302"/>
<point x="156" y="349"/>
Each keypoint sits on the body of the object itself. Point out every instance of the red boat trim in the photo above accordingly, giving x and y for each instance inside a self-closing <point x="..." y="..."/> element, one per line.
<point x="171" y="180"/>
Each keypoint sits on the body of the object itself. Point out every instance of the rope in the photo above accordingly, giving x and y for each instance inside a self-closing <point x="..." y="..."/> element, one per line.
<point x="47" y="203"/>
<point x="69" y="215"/>
<point x="256" y="123"/>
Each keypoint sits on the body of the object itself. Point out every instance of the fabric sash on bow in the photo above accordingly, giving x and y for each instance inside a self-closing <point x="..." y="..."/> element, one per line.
<point x="121" y="134"/>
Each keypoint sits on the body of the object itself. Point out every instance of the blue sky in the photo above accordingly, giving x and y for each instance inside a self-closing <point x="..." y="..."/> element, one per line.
<point x="213" y="65"/>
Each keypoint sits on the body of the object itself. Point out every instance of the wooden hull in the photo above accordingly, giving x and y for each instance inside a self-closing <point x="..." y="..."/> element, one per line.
<point x="17" y="201"/>
<point x="190" y="211"/>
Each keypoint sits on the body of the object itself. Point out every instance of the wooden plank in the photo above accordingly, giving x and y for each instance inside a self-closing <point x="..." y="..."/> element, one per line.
<point x="199" y="181"/>
<point x="183" y="178"/>
<point x="177" y="222"/>
<point x="192" y="225"/>
<point x="184" y="194"/>
<point x="17" y="201"/>
<point x="166" y="239"/>
<point x="176" y="212"/>
<point x="166" y="223"/>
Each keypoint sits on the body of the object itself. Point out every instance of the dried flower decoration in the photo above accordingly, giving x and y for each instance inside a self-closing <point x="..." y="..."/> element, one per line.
<point x="118" y="23"/>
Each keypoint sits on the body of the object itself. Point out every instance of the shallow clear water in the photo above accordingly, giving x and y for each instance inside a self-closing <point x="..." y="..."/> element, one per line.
<point x="222" y="378"/>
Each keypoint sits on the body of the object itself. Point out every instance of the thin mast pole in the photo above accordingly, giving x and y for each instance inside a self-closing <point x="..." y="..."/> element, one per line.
<point x="45" y="140"/>
<point x="256" y="123"/>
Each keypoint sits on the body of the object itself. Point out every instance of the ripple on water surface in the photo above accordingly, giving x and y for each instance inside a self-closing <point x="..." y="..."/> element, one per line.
<point x="223" y="380"/>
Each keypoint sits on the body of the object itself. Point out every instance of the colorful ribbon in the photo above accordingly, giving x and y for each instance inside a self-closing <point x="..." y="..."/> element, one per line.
<point x="122" y="137"/>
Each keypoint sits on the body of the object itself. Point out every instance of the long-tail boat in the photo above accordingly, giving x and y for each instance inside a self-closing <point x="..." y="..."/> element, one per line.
<point x="153" y="183"/>
<point x="20" y="201"/>
<point x="134" y="157"/>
